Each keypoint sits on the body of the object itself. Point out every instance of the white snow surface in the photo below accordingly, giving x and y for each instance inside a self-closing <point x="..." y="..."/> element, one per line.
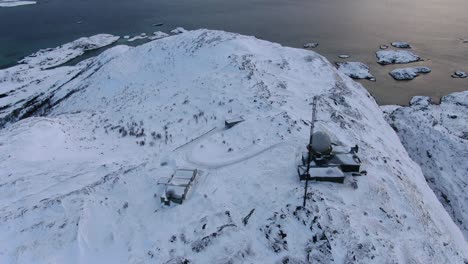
<point x="13" y="3"/>
<point x="408" y="73"/>
<point x="355" y="70"/>
<point x="53" y="57"/>
<point x="396" y="56"/>
<point x="436" y="137"/>
<point x="79" y="172"/>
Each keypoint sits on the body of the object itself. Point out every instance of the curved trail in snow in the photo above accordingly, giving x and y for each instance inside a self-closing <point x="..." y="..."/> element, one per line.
<point x="220" y="164"/>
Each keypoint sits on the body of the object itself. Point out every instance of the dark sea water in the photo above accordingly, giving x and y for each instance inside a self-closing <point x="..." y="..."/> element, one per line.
<point x="354" y="27"/>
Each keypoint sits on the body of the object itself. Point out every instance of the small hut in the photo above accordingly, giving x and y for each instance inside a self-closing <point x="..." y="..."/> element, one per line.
<point x="178" y="185"/>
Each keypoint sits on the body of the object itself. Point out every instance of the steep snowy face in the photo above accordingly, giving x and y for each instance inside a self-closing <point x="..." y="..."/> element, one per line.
<point x="79" y="184"/>
<point x="436" y="137"/>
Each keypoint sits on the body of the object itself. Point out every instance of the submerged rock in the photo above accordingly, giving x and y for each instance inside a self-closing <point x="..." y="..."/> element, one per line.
<point x="355" y="70"/>
<point x="459" y="74"/>
<point x="401" y="45"/>
<point x="408" y="73"/>
<point x="310" y="45"/>
<point x="436" y="137"/>
<point x="396" y="57"/>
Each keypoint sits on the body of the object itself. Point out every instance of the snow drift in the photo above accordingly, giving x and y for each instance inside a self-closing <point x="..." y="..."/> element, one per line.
<point x="79" y="171"/>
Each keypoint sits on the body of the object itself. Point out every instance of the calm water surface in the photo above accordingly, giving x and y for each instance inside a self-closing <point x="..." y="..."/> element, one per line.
<point x="355" y="27"/>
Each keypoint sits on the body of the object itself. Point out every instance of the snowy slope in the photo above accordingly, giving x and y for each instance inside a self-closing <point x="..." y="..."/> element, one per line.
<point x="79" y="184"/>
<point x="436" y="137"/>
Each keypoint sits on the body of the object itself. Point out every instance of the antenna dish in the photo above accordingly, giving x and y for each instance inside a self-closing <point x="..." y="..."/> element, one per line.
<point x="321" y="143"/>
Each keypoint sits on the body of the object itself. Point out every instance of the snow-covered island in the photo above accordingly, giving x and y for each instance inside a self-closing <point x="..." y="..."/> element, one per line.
<point x="13" y="3"/>
<point x="436" y="137"/>
<point x="408" y="73"/>
<point x="52" y="57"/>
<point x="401" y="45"/>
<point x="355" y="70"/>
<point x="83" y="147"/>
<point x="396" y="57"/>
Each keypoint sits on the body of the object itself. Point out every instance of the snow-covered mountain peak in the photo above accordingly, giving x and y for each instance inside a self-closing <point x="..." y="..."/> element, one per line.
<point x="114" y="125"/>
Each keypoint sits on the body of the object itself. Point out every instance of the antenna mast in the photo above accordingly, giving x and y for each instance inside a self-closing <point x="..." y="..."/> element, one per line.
<point x="309" y="147"/>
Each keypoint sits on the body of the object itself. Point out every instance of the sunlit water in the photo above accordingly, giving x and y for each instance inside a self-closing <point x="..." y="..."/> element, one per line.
<point x="355" y="27"/>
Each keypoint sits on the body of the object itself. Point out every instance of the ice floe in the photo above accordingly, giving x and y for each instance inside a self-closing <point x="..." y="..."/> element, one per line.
<point x="396" y="57"/>
<point x="383" y="47"/>
<point x="52" y="57"/>
<point x="355" y="70"/>
<point x="408" y="73"/>
<point x="343" y="56"/>
<point x="13" y="3"/>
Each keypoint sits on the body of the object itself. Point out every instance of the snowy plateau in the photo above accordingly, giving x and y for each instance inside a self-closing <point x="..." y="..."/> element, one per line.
<point x="82" y="149"/>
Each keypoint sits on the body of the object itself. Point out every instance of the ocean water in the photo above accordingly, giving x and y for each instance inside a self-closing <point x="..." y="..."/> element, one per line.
<point x="354" y="27"/>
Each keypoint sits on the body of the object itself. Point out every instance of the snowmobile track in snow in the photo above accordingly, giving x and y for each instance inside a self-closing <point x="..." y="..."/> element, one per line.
<point x="221" y="164"/>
